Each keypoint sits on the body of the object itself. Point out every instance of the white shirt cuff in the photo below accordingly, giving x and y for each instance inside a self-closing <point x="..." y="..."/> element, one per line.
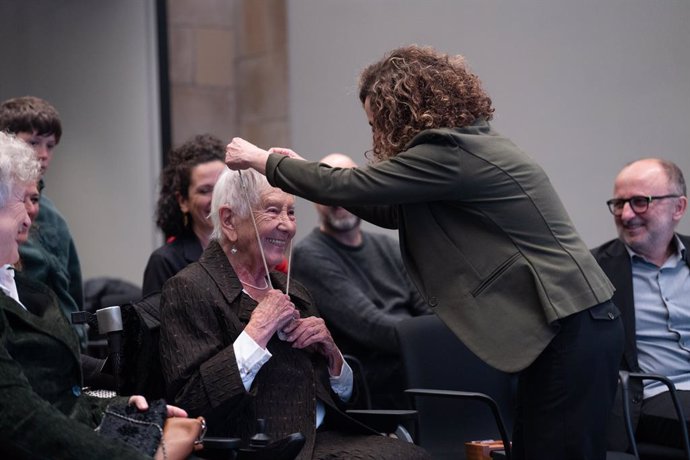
<point x="250" y="357"/>
<point x="342" y="384"/>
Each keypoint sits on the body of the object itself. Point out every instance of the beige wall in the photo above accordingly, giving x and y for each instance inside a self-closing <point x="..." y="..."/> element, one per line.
<point x="228" y="69"/>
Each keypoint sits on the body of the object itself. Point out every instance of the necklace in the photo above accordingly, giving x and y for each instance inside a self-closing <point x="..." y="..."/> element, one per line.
<point x="255" y="287"/>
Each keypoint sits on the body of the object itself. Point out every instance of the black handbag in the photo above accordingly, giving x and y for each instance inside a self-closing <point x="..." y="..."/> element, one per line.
<point x="141" y="430"/>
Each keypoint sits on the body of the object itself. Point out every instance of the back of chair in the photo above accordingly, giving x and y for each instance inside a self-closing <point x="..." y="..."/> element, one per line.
<point x="434" y="358"/>
<point x="141" y="369"/>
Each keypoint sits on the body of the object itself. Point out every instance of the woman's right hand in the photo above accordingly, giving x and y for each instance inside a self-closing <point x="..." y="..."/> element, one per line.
<point x="241" y="154"/>
<point x="287" y="152"/>
<point x="271" y="314"/>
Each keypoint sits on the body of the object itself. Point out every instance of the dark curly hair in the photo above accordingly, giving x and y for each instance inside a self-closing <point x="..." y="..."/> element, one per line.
<point x="416" y="88"/>
<point x="175" y="179"/>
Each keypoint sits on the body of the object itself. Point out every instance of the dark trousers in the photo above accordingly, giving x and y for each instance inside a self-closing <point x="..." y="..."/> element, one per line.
<point x="565" y="396"/>
<point x="658" y="420"/>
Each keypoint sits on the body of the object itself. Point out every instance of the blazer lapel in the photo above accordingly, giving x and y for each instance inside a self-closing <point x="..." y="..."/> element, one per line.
<point x="41" y="317"/>
<point x="215" y="262"/>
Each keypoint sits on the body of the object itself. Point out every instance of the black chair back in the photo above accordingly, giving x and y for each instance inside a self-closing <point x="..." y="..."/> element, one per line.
<point x="434" y="358"/>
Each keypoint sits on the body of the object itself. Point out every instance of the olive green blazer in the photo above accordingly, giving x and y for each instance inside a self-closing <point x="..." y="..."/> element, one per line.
<point x="482" y="231"/>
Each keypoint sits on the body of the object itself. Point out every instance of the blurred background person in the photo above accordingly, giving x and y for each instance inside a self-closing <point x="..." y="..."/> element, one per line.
<point x="49" y="255"/>
<point x="32" y="204"/>
<point x="220" y="351"/>
<point x="362" y="290"/>
<point x="184" y="206"/>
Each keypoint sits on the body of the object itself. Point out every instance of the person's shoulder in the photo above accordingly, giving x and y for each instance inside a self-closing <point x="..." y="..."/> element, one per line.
<point x="685" y="239"/>
<point x="49" y="213"/>
<point x="315" y="240"/>
<point x="380" y="239"/>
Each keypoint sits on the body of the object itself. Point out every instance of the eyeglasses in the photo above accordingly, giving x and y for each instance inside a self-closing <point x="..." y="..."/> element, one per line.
<point x="639" y="204"/>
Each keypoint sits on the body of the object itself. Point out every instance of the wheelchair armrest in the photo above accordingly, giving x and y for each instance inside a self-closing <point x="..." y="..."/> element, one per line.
<point x="214" y="443"/>
<point x="382" y="420"/>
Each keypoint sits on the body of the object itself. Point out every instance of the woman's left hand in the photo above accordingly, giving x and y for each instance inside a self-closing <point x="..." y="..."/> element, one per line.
<point x="140" y="403"/>
<point x="312" y="333"/>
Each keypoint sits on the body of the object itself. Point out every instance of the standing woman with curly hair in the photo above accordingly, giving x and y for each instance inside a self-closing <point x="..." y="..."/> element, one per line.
<point x="486" y="240"/>
<point x="184" y="206"/>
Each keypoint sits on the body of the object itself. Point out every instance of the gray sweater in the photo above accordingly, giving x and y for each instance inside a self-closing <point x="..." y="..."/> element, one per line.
<point x="361" y="292"/>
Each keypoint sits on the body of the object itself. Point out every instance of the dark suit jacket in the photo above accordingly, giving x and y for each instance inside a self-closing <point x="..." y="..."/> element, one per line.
<point x="482" y="232"/>
<point x="44" y="414"/>
<point x="169" y="259"/>
<point x="203" y="312"/>
<point x="615" y="261"/>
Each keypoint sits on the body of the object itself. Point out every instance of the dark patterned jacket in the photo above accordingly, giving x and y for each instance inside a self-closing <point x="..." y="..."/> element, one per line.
<point x="203" y="311"/>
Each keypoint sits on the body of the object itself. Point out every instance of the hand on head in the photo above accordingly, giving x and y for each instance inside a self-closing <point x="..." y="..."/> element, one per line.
<point x="240" y="154"/>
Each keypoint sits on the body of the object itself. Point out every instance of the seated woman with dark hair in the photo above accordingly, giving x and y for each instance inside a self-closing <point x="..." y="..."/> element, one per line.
<point x="235" y="348"/>
<point x="183" y="209"/>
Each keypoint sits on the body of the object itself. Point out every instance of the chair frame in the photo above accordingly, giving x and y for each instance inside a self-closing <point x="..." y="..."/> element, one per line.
<point x="625" y="377"/>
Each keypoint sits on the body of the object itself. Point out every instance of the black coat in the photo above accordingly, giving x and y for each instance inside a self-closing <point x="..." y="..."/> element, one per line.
<point x="44" y="414"/>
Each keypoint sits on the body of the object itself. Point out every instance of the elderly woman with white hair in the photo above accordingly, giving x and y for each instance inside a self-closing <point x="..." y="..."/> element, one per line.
<point x="44" y="412"/>
<point x="235" y="347"/>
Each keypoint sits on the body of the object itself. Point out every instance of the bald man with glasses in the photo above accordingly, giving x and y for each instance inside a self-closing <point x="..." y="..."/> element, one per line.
<point x="648" y="264"/>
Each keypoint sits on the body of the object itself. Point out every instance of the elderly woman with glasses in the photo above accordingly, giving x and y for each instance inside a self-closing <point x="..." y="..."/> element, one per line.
<point x="235" y="347"/>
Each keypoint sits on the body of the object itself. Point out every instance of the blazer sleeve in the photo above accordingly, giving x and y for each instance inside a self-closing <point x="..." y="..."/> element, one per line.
<point x="423" y="173"/>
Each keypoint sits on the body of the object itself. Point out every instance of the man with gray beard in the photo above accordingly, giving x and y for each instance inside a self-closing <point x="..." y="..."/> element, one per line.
<point x="361" y="289"/>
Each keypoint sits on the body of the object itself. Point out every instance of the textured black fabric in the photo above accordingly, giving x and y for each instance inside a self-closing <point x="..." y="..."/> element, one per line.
<point x="140" y="371"/>
<point x="332" y="445"/>
<point x="141" y="430"/>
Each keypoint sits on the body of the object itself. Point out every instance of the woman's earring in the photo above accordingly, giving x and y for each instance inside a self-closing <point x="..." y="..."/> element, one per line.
<point x="233" y="250"/>
<point x="185" y="220"/>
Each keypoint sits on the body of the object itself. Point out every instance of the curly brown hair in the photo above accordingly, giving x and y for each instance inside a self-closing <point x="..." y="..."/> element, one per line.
<point x="175" y="179"/>
<point x="416" y="88"/>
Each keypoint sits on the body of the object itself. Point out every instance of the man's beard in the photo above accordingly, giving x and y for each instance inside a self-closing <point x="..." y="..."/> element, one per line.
<point x="342" y="224"/>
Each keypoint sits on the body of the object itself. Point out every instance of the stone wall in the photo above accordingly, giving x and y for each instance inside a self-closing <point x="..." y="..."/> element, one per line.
<point x="228" y="70"/>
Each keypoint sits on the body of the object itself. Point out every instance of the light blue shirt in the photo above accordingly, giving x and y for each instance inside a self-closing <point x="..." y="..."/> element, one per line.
<point x="662" y="318"/>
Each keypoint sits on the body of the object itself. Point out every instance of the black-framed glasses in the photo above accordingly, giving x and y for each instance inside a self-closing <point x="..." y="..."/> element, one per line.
<point x="639" y="204"/>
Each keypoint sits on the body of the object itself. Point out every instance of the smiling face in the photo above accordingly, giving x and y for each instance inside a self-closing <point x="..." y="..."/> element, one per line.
<point x="649" y="233"/>
<point x="31" y="204"/>
<point x="43" y="145"/>
<point x="276" y="225"/>
<point x="197" y="204"/>
<point x="13" y="222"/>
